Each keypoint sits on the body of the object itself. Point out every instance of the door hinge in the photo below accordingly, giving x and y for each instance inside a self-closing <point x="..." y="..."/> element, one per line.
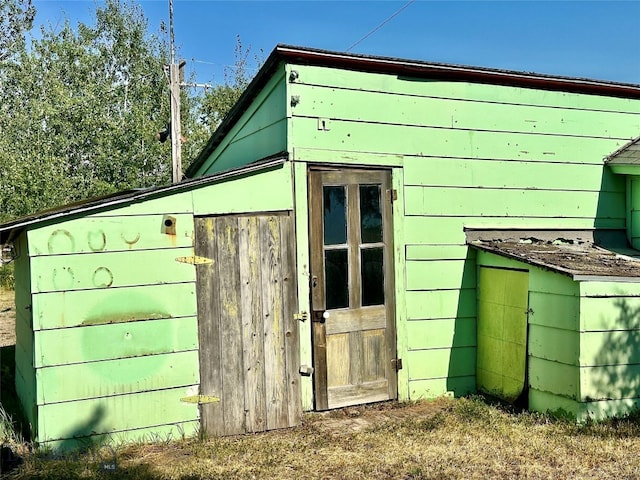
<point x="392" y="193"/>
<point x="200" y="399"/>
<point x="397" y="363"/>
<point x="194" y="260"/>
<point x="302" y="316"/>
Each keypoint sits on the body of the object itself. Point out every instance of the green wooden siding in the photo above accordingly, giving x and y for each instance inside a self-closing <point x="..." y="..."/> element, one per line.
<point x="260" y="132"/>
<point x="471" y="155"/>
<point x="112" y="301"/>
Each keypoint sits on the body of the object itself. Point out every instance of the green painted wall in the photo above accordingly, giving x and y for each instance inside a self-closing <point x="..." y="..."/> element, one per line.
<point x="109" y="346"/>
<point x="467" y="155"/>
<point x="553" y="337"/>
<point x="609" y="348"/>
<point x="260" y="132"/>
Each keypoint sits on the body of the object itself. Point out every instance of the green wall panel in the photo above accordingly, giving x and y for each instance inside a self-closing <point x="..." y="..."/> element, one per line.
<point x="116" y="340"/>
<point x="240" y="195"/>
<point x="381" y="82"/>
<point x="116" y="377"/>
<point x="438" y="142"/>
<point x="439" y="252"/>
<point x="401" y="109"/>
<point x="431" y="304"/>
<point x="333" y="155"/>
<point x="251" y="147"/>
<point x="610" y="382"/>
<point x="115" y="414"/>
<point x="554" y="344"/>
<point x="542" y="401"/>
<point x="168" y="204"/>
<point x="111" y="269"/>
<point x="116" y="305"/>
<point x="556" y="311"/>
<point x="609" y="289"/>
<point x="456" y="201"/>
<point x="441" y="363"/>
<point x="520" y="175"/>
<point x="261" y="130"/>
<point x="440" y="274"/>
<point x="157" y="433"/>
<point x="613" y="347"/>
<point x="554" y="377"/>
<point x="110" y="234"/>
<point x="441" y="333"/>
<point x="609" y="313"/>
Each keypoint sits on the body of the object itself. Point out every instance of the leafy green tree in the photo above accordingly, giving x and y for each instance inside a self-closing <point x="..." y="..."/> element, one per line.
<point x="16" y="18"/>
<point x="79" y="111"/>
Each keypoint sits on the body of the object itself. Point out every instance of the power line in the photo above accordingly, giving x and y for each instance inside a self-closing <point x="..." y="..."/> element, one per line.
<point x="381" y="25"/>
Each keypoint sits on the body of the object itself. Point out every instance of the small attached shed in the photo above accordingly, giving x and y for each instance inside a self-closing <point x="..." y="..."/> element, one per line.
<point x="559" y="321"/>
<point x="159" y="313"/>
<point x="338" y="272"/>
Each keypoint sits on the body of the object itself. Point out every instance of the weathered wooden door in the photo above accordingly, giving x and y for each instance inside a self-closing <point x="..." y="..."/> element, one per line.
<point x="503" y="303"/>
<point x="354" y="342"/>
<point x="249" y="343"/>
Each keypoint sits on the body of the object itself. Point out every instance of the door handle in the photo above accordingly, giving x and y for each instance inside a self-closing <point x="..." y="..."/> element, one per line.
<point x="320" y="316"/>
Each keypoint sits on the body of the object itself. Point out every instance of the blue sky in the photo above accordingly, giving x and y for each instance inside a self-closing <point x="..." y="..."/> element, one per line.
<point x="593" y="39"/>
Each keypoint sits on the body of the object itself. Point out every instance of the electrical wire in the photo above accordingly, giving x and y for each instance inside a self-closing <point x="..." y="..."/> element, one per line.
<point x="381" y="25"/>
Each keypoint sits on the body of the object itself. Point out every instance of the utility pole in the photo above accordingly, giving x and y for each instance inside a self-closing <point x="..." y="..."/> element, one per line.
<point x="174" y="87"/>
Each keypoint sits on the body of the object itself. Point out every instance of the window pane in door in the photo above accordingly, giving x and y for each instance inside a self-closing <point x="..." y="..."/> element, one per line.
<point x="335" y="215"/>
<point x="372" y="266"/>
<point x="370" y="214"/>
<point x="336" y="278"/>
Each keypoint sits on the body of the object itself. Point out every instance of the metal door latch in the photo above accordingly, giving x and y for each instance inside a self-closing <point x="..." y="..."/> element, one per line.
<point x="320" y="316"/>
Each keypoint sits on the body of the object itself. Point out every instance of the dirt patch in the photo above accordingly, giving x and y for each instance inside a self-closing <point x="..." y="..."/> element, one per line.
<point x="7" y="318"/>
<point x="366" y="417"/>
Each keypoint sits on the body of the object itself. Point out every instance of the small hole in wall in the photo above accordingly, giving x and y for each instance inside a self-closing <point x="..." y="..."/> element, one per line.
<point x="168" y="222"/>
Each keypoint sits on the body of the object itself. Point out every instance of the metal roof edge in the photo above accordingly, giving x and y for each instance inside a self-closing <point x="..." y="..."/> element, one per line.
<point x="134" y="196"/>
<point x="410" y="68"/>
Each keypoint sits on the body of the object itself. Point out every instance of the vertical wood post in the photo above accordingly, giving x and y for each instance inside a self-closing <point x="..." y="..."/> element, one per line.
<point x="176" y="133"/>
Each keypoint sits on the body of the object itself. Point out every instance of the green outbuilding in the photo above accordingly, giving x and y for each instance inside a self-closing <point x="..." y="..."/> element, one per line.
<point x="358" y="229"/>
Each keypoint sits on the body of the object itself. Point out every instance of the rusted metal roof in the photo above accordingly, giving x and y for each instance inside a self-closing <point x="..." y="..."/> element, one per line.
<point x="575" y="254"/>
<point x="413" y="69"/>
<point x="9" y="229"/>
<point x="628" y="154"/>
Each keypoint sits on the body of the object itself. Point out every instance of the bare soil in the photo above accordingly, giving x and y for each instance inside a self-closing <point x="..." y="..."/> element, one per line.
<point x="7" y="318"/>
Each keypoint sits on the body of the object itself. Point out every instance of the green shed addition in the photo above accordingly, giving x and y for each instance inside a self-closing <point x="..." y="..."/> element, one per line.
<point x="353" y="232"/>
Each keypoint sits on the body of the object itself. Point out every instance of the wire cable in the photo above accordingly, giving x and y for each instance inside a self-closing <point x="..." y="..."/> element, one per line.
<point x="381" y="25"/>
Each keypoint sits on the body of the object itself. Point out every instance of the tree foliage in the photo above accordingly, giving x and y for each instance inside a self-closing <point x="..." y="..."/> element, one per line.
<point x="80" y="107"/>
<point x="16" y="18"/>
<point x="79" y="111"/>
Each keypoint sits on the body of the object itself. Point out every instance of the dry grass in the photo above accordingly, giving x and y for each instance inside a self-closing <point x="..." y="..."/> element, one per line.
<point x="460" y="439"/>
<point x="444" y="439"/>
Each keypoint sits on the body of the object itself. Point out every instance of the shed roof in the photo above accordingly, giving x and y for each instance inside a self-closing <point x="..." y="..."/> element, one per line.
<point x="409" y="69"/>
<point x="628" y="154"/>
<point x="575" y="254"/>
<point x="128" y="197"/>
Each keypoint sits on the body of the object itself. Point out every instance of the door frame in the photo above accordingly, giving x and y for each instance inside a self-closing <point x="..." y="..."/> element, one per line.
<point x="317" y="177"/>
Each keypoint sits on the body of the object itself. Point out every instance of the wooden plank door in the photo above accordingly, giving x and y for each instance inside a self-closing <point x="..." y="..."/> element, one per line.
<point x="354" y="342"/>
<point x="503" y="303"/>
<point x="248" y="338"/>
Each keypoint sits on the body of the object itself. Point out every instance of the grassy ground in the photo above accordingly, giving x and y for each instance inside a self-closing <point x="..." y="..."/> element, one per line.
<point x="461" y="439"/>
<point x="446" y="438"/>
